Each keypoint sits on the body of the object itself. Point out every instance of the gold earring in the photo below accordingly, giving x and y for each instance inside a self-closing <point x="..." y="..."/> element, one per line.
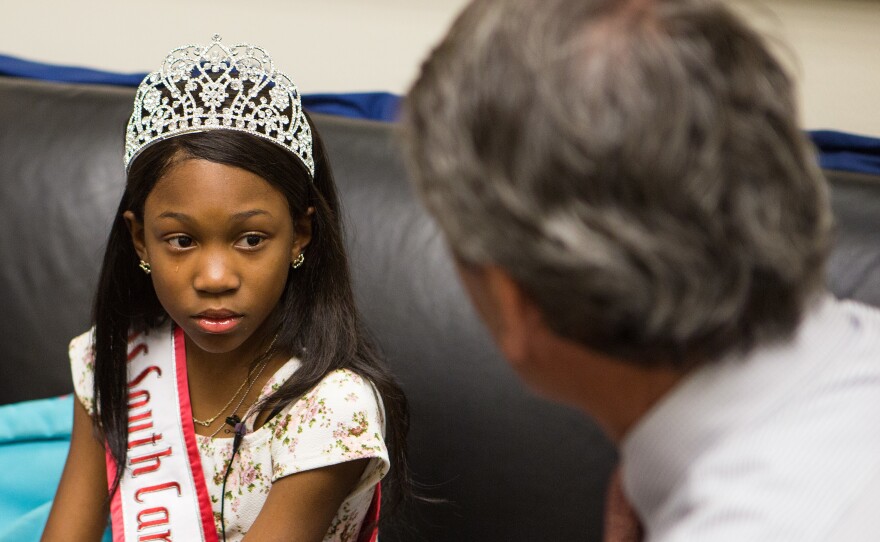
<point x="145" y="267"/>
<point x="298" y="261"/>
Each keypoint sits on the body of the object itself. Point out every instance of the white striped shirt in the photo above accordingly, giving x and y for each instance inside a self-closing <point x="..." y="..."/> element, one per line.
<point x="782" y="445"/>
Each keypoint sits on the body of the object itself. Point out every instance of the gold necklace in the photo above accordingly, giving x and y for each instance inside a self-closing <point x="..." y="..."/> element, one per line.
<point x="234" y="410"/>
<point x="209" y="421"/>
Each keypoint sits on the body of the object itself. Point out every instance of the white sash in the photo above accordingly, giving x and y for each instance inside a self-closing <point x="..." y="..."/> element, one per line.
<point x="162" y="494"/>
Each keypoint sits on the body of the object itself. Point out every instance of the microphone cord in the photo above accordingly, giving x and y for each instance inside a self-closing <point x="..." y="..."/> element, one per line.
<point x="240" y="431"/>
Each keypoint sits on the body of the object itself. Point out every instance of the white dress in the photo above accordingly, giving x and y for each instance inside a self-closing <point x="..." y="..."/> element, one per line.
<point x="340" y="419"/>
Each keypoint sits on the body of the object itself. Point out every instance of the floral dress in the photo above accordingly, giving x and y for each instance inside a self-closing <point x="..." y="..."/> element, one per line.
<point x="340" y="419"/>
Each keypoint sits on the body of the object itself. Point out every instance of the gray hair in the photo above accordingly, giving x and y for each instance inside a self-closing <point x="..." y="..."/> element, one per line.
<point x="636" y="166"/>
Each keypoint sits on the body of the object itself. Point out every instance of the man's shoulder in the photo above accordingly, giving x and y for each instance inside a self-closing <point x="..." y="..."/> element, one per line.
<point x="777" y="446"/>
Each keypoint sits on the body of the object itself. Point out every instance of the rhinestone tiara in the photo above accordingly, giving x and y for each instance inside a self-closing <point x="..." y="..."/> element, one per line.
<point x="215" y="87"/>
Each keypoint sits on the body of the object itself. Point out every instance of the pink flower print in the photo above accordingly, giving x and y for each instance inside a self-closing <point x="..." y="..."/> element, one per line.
<point x="218" y="474"/>
<point x="348" y="435"/>
<point x="343" y="528"/>
<point x="351" y="397"/>
<point x="248" y="477"/>
<point x="360" y="418"/>
<point x="293" y="444"/>
<point x="315" y="411"/>
<point x="90" y="358"/>
<point x="345" y="378"/>
<point x="280" y="428"/>
<point x="349" y="532"/>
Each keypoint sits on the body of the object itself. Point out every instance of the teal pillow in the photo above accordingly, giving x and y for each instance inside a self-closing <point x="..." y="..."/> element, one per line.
<point x="34" y="438"/>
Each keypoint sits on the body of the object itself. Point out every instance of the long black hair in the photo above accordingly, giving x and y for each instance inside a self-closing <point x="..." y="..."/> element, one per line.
<point x="316" y="318"/>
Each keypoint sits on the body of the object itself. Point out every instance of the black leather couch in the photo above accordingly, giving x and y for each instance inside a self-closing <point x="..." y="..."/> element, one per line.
<point x="504" y="465"/>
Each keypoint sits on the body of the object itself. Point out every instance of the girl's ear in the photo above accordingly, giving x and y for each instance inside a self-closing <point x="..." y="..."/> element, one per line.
<point x="302" y="233"/>
<point x="136" y="229"/>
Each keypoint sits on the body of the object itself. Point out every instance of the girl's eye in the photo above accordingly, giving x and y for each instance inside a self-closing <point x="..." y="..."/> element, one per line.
<point x="181" y="241"/>
<point x="251" y="241"/>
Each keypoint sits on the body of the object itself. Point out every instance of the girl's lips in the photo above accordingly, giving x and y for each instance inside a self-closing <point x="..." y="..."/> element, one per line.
<point x="217" y="323"/>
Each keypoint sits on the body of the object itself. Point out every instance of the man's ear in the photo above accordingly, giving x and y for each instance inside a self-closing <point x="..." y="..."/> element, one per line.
<point x="136" y="230"/>
<point x="509" y="313"/>
<point x="519" y="316"/>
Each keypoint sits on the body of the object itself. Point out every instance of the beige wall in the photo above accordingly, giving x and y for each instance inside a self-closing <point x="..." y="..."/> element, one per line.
<point x="341" y="45"/>
<point x="324" y="45"/>
<point x="836" y="47"/>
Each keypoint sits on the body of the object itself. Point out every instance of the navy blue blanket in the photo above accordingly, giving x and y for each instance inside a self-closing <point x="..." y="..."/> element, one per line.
<point x="837" y="150"/>
<point x="380" y="106"/>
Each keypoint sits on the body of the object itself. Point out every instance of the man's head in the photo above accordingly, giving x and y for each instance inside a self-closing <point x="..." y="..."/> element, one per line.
<point x="634" y="167"/>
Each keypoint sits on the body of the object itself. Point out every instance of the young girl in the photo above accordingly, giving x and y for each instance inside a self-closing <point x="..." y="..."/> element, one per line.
<point x="227" y="390"/>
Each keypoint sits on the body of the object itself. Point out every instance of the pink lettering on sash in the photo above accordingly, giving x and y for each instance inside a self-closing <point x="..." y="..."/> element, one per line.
<point x="140" y="427"/>
<point x="156" y="488"/>
<point x="159" y="511"/>
<point x="166" y="536"/>
<point x="138" y="399"/>
<point x="142" y="347"/>
<point x="152" y="439"/>
<point x="146" y="417"/>
<point x="155" y="457"/>
<point x="140" y="417"/>
<point x="139" y="378"/>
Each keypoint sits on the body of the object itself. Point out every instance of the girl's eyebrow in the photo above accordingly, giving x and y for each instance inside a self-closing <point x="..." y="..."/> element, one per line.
<point x="244" y="215"/>
<point x="176" y="216"/>
<point x="237" y="217"/>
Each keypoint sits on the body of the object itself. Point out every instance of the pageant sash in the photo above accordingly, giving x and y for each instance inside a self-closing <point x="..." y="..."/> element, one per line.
<point x="162" y="494"/>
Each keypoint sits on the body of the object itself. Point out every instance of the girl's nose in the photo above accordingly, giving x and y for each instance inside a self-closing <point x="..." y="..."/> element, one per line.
<point x="216" y="274"/>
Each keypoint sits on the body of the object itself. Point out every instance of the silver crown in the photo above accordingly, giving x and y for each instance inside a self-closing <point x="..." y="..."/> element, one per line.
<point x="214" y="87"/>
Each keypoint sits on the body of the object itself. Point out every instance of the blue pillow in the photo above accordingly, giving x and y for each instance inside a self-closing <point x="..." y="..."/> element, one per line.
<point x="34" y="438"/>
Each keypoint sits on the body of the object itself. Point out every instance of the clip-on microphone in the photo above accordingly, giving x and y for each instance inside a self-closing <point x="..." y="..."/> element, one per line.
<point x="239" y="429"/>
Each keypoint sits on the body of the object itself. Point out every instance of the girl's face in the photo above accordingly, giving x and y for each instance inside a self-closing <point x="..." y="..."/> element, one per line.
<point x="220" y="241"/>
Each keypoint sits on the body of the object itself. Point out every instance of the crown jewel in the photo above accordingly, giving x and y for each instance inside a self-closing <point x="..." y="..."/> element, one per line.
<point x="211" y="87"/>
